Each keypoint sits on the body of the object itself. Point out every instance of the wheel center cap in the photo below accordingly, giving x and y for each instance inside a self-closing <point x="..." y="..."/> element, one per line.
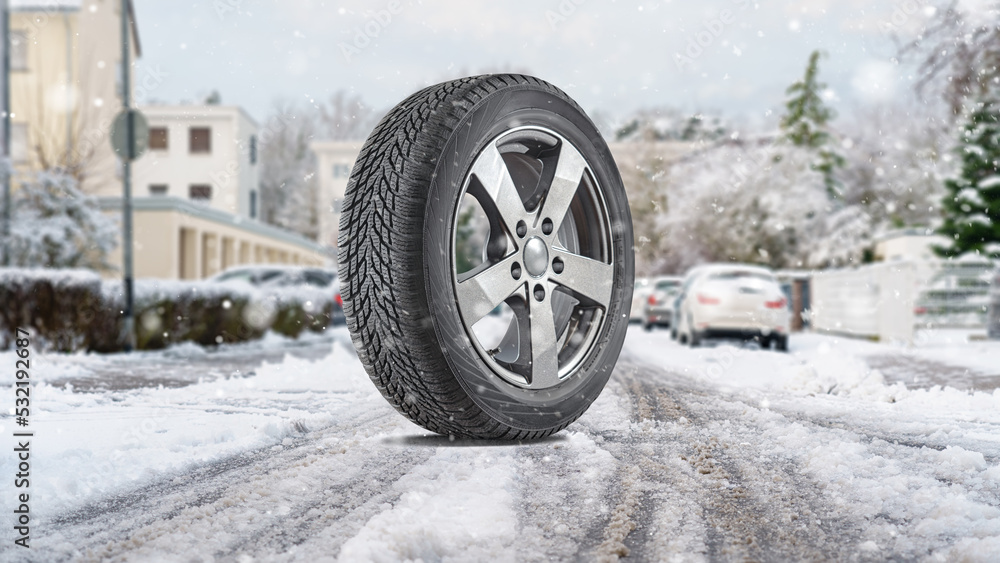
<point x="536" y="257"/>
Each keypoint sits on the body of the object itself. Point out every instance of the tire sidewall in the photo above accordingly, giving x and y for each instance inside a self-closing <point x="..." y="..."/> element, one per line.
<point x="517" y="106"/>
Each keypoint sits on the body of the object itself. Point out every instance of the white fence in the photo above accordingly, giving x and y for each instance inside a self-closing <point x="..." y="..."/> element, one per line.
<point x="874" y="301"/>
<point x="888" y="300"/>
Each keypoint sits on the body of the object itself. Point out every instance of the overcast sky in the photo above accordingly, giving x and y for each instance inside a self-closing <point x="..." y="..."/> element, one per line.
<point x="733" y="57"/>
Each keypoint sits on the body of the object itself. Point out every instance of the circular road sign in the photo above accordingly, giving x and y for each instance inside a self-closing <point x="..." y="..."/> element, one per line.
<point x="120" y="136"/>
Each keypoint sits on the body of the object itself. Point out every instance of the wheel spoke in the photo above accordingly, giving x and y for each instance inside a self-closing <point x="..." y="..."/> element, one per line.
<point x="586" y="277"/>
<point x="485" y="287"/>
<point x="544" y="354"/>
<point x="565" y="181"/>
<point x="497" y="187"/>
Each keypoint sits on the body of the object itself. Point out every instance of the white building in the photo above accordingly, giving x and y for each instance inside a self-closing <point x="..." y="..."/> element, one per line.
<point x="908" y="244"/>
<point x="203" y="153"/>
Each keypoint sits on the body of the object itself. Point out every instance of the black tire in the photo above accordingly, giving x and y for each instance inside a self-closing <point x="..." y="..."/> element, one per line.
<point x="781" y="343"/>
<point x="409" y="314"/>
<point x="695" y="339"/>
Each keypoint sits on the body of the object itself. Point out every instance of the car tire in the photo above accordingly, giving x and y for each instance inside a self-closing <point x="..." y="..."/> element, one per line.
<point x="695" y="339"/>
<point x="780" y="343"/>
<point x="561" y="263"/>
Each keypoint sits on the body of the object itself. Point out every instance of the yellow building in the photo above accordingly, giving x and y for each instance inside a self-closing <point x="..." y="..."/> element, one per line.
<point x="191" y="219"/>
<point x="65" y="86"/>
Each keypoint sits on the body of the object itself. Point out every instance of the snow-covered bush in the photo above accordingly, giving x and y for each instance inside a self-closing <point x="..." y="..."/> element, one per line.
<point x="55" y="225"/>
<point x="746" y="202"/>
<point x="73" y="310"/>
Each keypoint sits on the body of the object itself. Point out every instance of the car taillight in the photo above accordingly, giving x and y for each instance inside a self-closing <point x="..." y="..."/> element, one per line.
<point x="651" y="300"/>
<point x="776" y="304"/>
<point x="706" y="300"/>
<point x="920" y="310"/>
<point x="338" y="300"/>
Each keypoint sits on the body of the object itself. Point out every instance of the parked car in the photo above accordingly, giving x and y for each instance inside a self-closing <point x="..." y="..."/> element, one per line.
<point x="640" y="292"/>
<point x="733" y="301"/>
<point x="993" y="314"/>
<point x="659" y="307"/>
<point x="689" y="278"/>
<point x="272" y="275"/>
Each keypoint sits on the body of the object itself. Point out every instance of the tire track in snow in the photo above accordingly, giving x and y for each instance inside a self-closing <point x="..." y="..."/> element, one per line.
<point x="244" y="503"/>
<point x="726" y="503"/>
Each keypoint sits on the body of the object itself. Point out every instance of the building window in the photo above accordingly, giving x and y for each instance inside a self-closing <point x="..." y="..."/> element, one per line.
<point x="19" y="142"/>
<point x="200" y="140"/>
<point x="253" y="204"/>
<point x="157" y="189"/>
<point x="18" y="50"/>
<point x="200" y="191"/>
<point x="159" y="138"/>
<point x="253" y="149"/>
<point x="341" y="170"/>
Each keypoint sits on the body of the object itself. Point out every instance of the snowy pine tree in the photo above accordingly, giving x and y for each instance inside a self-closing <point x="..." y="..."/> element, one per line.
<point x="805" y="124"/>
<point x="972" y="204"/>
<point x="55" y="225"/>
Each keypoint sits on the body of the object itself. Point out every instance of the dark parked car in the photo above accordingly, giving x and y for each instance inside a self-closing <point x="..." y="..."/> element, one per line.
<point x="659" y="307"/>
<point x="268" y="276"/>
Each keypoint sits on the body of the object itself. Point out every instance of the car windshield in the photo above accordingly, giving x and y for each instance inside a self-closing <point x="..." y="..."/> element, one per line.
<point x="667" y="285"/>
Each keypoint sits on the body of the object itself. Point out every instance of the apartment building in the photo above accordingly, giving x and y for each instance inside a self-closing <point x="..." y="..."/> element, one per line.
<point x="203" y="153"/>
<point x="195" y="190"/>
<point x="65" y="85"/>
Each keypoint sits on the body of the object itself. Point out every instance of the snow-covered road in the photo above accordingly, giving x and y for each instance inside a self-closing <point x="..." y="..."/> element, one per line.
<point x="720" y="452"/>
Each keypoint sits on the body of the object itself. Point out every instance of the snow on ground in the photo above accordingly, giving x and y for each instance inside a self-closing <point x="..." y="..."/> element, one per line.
<point x="92" y="444"/>
<point x="684" y="447"/>
<point x="947" y="488"/>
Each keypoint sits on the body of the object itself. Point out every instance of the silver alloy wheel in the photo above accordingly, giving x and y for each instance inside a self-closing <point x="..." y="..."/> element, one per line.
<point x="547" y="255"/>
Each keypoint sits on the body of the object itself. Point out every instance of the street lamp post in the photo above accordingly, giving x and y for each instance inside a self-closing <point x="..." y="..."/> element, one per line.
<point x="5" y="110"/>
<point x="129" y="320"/>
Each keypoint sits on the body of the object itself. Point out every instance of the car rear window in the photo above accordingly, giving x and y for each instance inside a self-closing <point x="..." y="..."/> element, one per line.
<point x="741" y="275"/>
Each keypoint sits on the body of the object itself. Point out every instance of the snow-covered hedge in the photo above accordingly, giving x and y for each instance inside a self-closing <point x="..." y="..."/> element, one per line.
<point x="73" y="310"/>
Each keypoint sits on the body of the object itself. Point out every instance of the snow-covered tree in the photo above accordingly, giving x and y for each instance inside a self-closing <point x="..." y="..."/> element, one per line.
<point x="752" y="201"/>
<point x="646" y="182"/>
<point x="806" y="124"/>
<point x="959" y="49"/>
<point x="972" y="203"/>
<point x="55" y="225"/>
<point x="288" y="166"/>
<point x="668" y="124"/>
<point x="288" y="170"/>
<point x="895" y="165"/>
